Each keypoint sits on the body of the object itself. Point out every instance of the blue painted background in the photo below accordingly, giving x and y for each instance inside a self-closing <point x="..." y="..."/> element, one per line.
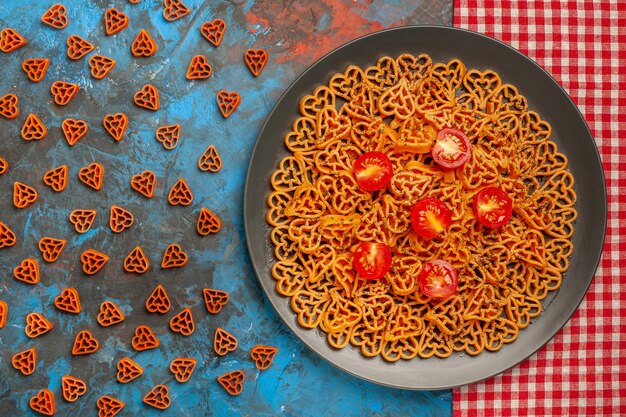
<point x="295" y="35"/>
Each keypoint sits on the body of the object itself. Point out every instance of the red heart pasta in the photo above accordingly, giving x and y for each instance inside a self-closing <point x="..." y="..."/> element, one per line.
<point x="74" y="130"/>
<point x="56" y="17"/>
<point x="144" y="45"/>
<point x="158" y="301"/>
<point x="36" y="68"/>
<point x="114" y="21"/>
<point x="199" y="68"/>
<point x="128" y="370"/>
<point x="56" y="178"/>
<point x="10" y="40"/>
<point x="33" y="128"/>
<point x="109" y="406"/>
<point x="78" y="47"/>
<point x="214" y="31"/>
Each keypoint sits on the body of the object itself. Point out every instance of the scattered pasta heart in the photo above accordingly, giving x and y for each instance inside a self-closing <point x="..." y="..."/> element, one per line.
<point x="115" y="125"/>
<point x="199" y="68"/>
<point x="208" y="222"/>
<point x="263" y="356"/>
<point x="183" y="322"/>
<point x="36" y="68"/>
<point x="180" y="194"/>
<point x="143" y="45"/>
<point x="174" y="257"/>
<point x="182" y="368"/>
<point x="7" y="236"/>
<point x="23" y="195"/>
<point x="227" y="102"/>
<point x="85" y="343"/>
<point x="158" y="301"/>
<point x="174" y="10"/>
<point x="120" y="219"/>
<point x="109" y="406"/>
<point x="4" y="313"/>
<point x="4" y="166"/>
<point x="56" y="178"/>
<point x="147" y="97"/>
<point x="144" y="183"/>
<point x="109" y="314"/>
<point x="158" y="397"/>
<point x="63" y="92"/>
<point x="93" y="261"/>
<point x="68" y="301"/>
<point x="210" y="160"/>
<point x="144" y="339"/>
<point x="224" y="342"/>
<point x="114" y="21"/>
<point x="27" y="271"/>
<point x="78" y="47"/>
<point x="36" y="325"/>
<point x="232" y="382"/>
<point x="33" y="128"/>
<point x="43" y="402"/>
<point x="168" y="136"/>
<point x="51" y="248"/>
<point x="25" y="361"/>
<point x="101" y="66"/>
<point x="136" y="261"/>
<point x="92" y="175"/>
<point x="8" y="106"/>
<point x="128" y="370"/>
<point x="214" y="300"/>
<point x="214" y="31"/>
<point x="74" y="130"/>
<point x="82" y="219"/>
<point x="10" y="40"/>
<point x="56" y="17"/>
<point x="72" y="388"/>
<point x="256" y="60"/>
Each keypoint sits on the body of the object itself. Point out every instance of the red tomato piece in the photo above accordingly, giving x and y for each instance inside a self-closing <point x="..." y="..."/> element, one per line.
<point x="493" y="207"/>
<point x="429" y="217"/>
<point x="452" y="148"/>
<point x="372" y="260"/>
<point x="438" y="279"/>
<point x="372" y="171"/>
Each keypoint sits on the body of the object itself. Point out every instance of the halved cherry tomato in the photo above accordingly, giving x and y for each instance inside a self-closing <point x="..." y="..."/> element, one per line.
<point x="372" y="260"/>
<point x="438" y="279"/>
<point x="493" y="207"/>
<point x="429" y="217"/>
<point x="372" y="171"/>
<point x="452" y="148"/>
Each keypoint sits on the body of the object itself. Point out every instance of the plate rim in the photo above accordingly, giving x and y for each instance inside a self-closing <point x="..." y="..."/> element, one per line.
<point x="294" y="326"/>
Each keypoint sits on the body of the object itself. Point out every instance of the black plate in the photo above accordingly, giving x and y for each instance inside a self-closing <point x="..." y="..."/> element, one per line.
<point x="570" y="132"/>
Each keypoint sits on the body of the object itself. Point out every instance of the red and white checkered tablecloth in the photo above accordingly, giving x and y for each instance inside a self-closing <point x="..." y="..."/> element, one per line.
<point x="582" y="371"/>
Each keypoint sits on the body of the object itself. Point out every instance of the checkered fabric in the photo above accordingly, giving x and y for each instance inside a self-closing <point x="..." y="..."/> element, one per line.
<point x="582" y="371"/>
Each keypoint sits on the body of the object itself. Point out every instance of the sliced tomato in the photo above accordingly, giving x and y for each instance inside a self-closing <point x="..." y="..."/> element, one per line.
<point x="493" y="207"/>
<point x="438" y="279"/>
<point x="372" y="260"/>
<point x="452" y="148"/>
<point x="372" y="171"/>
<point x="429" y="217"/>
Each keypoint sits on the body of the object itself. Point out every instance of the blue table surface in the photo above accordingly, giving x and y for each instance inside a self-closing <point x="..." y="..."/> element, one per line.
<point x="295" y="33"/>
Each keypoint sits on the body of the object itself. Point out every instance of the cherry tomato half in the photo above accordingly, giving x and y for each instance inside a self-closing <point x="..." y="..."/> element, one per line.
<point x="452" y="148"/>
<point x="438" y="279"/>
<point x="372" y="260"/>
<point x="372" y="171"/>
<point x="429" y="217"/>
<point x="493" y="207"/>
